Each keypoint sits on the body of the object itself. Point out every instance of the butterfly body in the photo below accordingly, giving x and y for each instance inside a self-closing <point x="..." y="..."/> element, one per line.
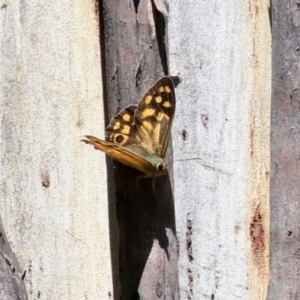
<point x="138" y="136"/>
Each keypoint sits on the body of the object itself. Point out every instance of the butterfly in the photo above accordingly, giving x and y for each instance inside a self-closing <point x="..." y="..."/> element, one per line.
<point x="138" y="136"/>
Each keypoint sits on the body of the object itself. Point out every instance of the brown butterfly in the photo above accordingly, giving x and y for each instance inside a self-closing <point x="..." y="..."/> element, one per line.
<point x="139" y="135"/>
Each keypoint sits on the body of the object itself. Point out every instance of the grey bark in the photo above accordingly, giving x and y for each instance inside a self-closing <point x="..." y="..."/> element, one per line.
<point x="285" y="148"/>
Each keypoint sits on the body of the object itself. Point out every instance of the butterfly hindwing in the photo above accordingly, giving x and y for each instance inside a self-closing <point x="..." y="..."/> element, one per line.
<point x="121" y="130"/>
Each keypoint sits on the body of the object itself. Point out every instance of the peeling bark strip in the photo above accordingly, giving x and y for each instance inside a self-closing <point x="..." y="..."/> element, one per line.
<point x="285" y="149"/>
<point x="143" y="249"/>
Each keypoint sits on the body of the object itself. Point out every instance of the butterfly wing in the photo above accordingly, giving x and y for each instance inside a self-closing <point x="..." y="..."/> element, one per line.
<point x="132" y="155"/>
<point x="138" y="136"/>
<point x="122" y="130"/>
<point x="154" y="116"/>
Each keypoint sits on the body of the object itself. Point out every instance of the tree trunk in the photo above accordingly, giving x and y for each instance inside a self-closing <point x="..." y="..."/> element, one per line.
<point x="53" y="188"/>
<point x="203" y="231"/>
<point x="221" y="159"/>
<point x="285" y="148"/>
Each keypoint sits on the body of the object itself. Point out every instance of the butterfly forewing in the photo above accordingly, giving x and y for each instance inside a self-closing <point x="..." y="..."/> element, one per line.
<point x="154" y="116"/>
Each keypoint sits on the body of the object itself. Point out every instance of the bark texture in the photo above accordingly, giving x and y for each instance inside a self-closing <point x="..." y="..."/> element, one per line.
<point x="53" y="199"/>
<point x="11" y="276"/>
<point x="135" y="57"/>
<point x="285" y="149"/>
<point x="222" y="50"/>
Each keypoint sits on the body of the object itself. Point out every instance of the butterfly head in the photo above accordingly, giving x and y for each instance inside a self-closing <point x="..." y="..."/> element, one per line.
<point x="159" y="165"/>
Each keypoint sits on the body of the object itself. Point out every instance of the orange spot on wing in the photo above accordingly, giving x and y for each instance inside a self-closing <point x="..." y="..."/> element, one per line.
<point x="126" y="129"/>
<point x="147" y="125"/>
<point x="116" y="126"/>
<point x="148" y="99"/>
<point x="126" y="117"/>
<point x="148" y="112"/>
<point x="167" y="104"/>
<point x="158" y="99"/>
<point x="167" y="89"/>
<point x="160" y="116"/>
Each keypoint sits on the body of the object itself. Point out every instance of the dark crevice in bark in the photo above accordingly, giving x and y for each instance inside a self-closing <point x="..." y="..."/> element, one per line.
<point x="105" y="26"/>
<point x="138" y="77"/>
<point x="136" y="5"/>
<point x="102" y="14"/>
<point x="160" y="28"/>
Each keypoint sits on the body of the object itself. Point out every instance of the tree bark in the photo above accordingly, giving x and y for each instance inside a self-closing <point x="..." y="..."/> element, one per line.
<point x="221" y="159"/>
<point x="11" y="276"/>
<point x="52" y="186"/>
<point x="285" y="145"/>
<point x="135" y="57"/>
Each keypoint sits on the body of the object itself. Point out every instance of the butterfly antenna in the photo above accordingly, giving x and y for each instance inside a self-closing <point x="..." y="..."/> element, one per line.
<point x="136" y="184"/>
<point x="186" y="159"/>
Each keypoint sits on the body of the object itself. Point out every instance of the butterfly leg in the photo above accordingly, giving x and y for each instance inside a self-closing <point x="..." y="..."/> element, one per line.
<point x="153" y="184"/>
<point x="137" y="183"/>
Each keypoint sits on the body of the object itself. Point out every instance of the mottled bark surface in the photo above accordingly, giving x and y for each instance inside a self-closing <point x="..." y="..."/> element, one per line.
<point x="53" y="196"/>
<point x="285" y="152"/>
<point x="221" y="147"/>
<point x="143" y="240"/>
